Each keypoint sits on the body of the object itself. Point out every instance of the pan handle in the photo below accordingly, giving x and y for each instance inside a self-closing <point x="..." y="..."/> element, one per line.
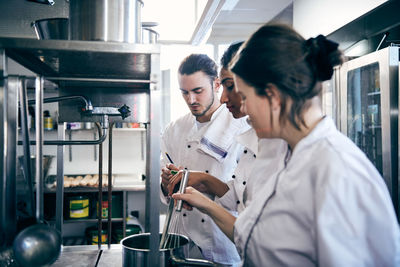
<point x="178" y="260"/>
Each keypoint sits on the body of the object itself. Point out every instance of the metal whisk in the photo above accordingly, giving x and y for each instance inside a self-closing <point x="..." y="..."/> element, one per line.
<point x="173" y="224"/>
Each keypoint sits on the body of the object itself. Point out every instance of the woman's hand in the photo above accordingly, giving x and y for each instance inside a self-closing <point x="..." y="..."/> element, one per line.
<point x="194" y="198"/>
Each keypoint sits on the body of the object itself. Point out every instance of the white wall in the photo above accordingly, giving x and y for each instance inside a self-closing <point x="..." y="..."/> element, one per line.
<point x="313" y="17"/>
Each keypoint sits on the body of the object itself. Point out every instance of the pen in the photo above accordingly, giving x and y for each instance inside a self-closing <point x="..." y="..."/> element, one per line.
<point x="169" y="158"/>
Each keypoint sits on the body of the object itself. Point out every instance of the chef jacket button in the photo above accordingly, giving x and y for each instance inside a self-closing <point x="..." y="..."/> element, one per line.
<point x="245" y="151"/>
<point x="254" y="155"/>
<point x="184" y="215"/>
<point x="202" y="220"/>
<point x="238" y="202"/>
<point x="186" y="168"/>
<point x="188" y="146"/>
<point x="206" y="171"/>
<point x="233" y="176"/>
<point x="244" y="183"/>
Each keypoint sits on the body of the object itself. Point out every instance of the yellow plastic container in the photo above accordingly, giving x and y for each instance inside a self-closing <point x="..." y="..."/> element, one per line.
<point x="78" y="207"/>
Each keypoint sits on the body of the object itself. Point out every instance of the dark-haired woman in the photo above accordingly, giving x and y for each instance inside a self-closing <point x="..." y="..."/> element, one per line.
<point x="329" y="206"/>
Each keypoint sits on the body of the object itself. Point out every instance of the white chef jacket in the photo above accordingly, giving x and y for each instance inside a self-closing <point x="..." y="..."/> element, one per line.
<point x="239" y="195"/>
<point x="211" y="149"/>
<point x="329" y="206"/>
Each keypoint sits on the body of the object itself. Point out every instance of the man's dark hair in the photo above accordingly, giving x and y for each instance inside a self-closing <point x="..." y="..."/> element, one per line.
<point x="229" y="53"/>
<point x="199" y="62"/>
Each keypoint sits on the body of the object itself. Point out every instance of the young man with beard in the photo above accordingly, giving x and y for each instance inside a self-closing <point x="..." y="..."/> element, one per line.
<point x="203" y="140"/>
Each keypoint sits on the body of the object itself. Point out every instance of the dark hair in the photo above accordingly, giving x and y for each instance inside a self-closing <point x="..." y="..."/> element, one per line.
<point x="229" y="53"/>
<point x="279" y="55"/>
<point x="199" y="62"/>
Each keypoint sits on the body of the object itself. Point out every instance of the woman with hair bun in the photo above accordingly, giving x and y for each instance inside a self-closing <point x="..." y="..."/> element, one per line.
<point x="328" y="206"/>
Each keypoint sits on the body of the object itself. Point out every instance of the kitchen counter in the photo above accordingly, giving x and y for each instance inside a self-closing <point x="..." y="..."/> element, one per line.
<point x="83" y="256"/>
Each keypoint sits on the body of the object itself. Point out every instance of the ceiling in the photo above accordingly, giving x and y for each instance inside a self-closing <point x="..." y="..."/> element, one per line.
<point x="238" y="21"/>
<point x="213" y="21"/>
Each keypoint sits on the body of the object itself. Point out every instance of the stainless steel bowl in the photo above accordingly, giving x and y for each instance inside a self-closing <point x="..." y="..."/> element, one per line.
<point x="54" y="28"/>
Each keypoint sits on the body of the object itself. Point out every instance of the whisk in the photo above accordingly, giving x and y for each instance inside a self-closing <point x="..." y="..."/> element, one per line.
<point x="173" y="224"/>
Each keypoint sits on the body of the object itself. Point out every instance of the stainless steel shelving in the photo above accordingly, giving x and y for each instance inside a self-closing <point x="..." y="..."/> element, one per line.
<point x="96" y="66"/>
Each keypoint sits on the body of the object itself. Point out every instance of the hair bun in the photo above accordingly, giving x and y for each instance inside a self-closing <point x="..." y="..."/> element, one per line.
<point x="319" y="56"/>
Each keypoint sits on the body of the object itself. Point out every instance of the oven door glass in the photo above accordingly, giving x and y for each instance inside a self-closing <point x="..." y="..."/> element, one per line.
<point x="364" y="111"/>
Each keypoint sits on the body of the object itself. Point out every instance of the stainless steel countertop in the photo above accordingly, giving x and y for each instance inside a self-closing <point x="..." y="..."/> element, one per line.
<point x="84" y="256"/>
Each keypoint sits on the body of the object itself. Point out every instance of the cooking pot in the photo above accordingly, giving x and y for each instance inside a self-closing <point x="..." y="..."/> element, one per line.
<point x="149" y="36"/>
<point x="55" y="28"/>
<point x="106" y="20"/>
<point x="135" y="252"/>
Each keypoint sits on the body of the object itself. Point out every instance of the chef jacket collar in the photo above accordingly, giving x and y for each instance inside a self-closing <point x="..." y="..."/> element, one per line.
<point x="324" y="128"/>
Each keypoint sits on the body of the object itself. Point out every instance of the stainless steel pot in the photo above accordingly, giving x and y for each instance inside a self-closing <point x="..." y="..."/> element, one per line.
<point x="54" y="28"/>
<point x="149" y="36"/>
<point x="135" y="252"/>
<point x="106" y="20"/>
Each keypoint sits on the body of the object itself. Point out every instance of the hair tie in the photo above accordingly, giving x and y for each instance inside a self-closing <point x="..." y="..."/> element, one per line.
<point x="319" y="49"/>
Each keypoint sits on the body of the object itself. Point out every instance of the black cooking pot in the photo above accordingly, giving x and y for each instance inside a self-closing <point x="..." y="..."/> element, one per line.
<point x="135" y="249"/>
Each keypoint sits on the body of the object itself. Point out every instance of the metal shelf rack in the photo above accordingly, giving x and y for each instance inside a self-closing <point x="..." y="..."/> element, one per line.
<point x="96" y="68"/>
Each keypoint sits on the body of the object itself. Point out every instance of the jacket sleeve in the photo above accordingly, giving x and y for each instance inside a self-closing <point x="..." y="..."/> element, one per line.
<point x="229" y="199"/>
<point x="356" y="223"/>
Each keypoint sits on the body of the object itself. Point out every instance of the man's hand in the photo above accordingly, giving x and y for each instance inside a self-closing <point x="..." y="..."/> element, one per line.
<point x="196" y="180"/>
<point x="166" y="175"/>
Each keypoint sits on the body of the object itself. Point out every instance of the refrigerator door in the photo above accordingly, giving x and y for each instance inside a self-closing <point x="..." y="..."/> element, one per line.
<point x="330" y="97"/>
<point x="369" y="110"/>
<point x="364" y="108"/>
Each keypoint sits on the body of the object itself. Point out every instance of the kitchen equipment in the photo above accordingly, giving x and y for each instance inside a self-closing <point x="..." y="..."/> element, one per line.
<point x="109" y="71"/>
<point x="182" y="189"/>
<point x="106" y="20"/>
<point x="47" y="160"/>
<point x="149" y="36"/>
<point x="167" y="223"/>
<point x="37" y="245"/>
<point x="47" y="2"/>
<point x="173" y="222"/>
<point x="368" y="98"/>
<point x="54" y="28"/>
<point x="135" y="252"/>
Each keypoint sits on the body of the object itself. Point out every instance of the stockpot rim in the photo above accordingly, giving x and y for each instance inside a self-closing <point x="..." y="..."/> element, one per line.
<point x="148" y="250"/>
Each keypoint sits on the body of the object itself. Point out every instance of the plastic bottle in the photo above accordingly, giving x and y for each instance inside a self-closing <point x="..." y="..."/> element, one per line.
<point x="48" y="121"/>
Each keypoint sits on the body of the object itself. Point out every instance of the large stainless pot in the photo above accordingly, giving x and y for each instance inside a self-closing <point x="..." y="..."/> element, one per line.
<point x="106" y="20"/>
<point x="135" y="249"/>
<point x="149" y="36"/>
